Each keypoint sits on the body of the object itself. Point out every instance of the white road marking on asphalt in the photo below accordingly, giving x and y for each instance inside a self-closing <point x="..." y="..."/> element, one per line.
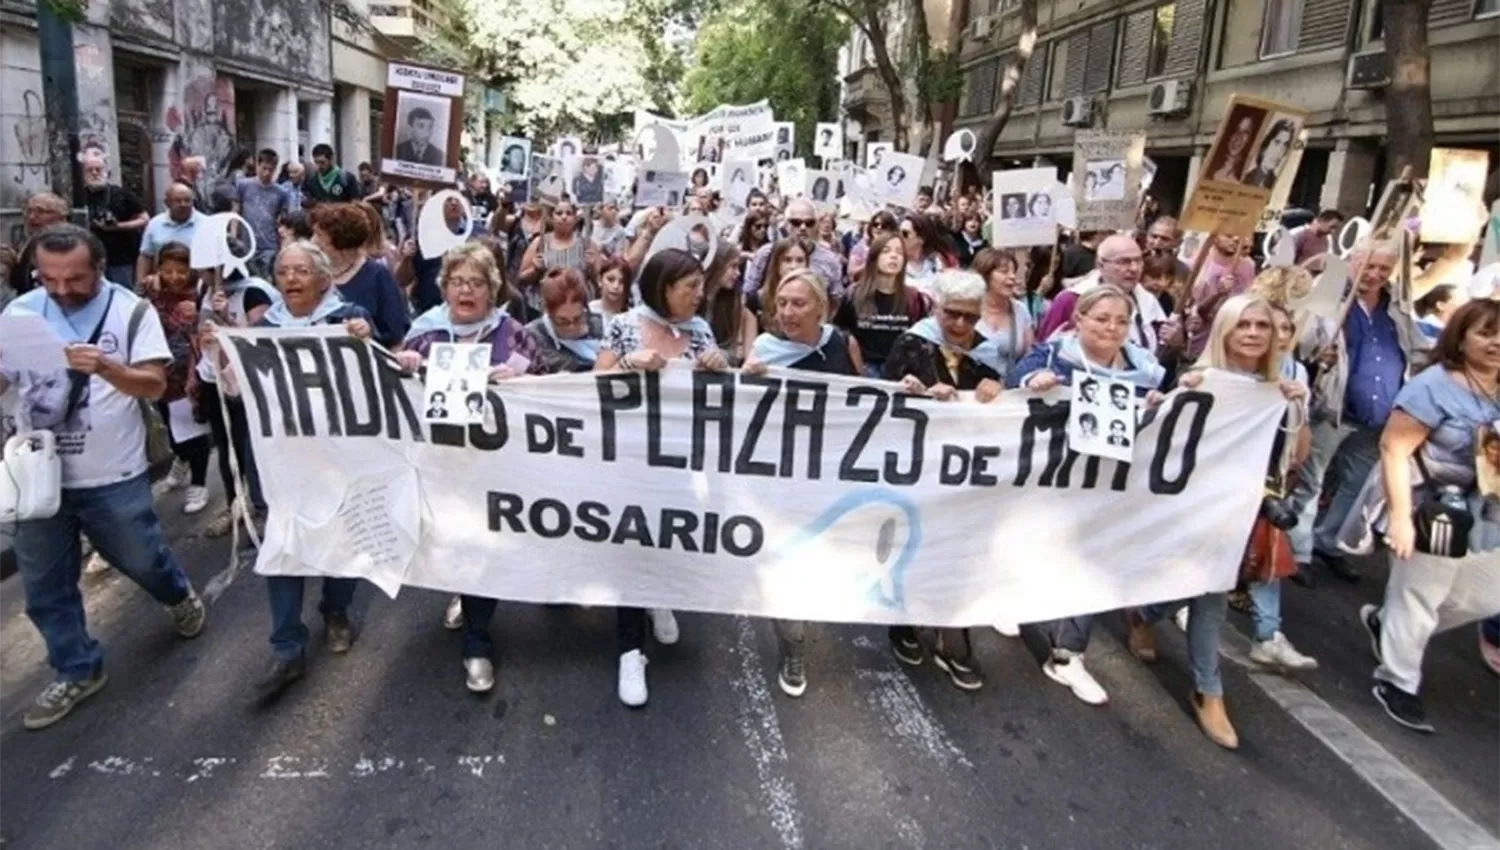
<point x="761" y="730"/>
<point x="63" y="769"/>
<point x="896" y="699"/>
<point x="204" y="767"/>
<point x="1448" y="827"/>
<point x="280" y="767"/>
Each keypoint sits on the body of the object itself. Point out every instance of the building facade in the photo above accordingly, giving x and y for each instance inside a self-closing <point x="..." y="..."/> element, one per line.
<point x="1168" y="67"/>
<point x="161" y="80"/>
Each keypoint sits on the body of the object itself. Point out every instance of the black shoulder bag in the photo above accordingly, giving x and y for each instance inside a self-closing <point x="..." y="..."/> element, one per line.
<point x="1442" y="529"/>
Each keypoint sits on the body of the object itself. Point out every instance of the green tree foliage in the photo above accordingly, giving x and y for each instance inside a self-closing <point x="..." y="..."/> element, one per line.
<point x="784" y="51"/>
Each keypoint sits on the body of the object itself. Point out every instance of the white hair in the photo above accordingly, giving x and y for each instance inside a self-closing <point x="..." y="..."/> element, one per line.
<point x="958" y="285"/>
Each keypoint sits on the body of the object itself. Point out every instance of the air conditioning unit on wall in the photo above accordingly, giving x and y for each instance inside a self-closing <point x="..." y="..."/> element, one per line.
<point x="1370" y="70"/>
<point x="981" y="27"/>
<point x="1078" y="112"/>
<point x="1170" y="97"/>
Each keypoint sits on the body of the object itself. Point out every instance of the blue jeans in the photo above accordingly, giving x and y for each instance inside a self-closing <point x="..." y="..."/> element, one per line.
<point x="478" y="611"/>
<point x="1206" y="616"/>
<point x="1356" y="456"/>
<point x="124" y="275"/>
<point x="288" y="634"/>
<point x="121" y="521"/>
<point x="1491" y="630"/>
<point x="1069" y="636"/>
<point x="1265" y="608"/>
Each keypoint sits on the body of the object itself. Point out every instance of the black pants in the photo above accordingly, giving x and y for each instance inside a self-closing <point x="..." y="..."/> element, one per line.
<point x="194" y="452"/>
<point x="630" y="628"/>
<point x="951" y="643"/>
<point x="238" y="439"/>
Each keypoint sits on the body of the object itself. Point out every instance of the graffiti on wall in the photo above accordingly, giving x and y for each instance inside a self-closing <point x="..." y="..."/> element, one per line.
<point x="202" y="124"/>
<point x="31" y="143"/>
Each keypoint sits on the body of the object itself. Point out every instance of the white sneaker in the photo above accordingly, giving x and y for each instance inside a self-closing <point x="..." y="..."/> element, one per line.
<point x="664" y="625"/>
<point x="197" y="500"/>
<point x="453" y="616"/>
<point x="633" y="678"/>
<point x="480" y="675"/>
<point x="1071" y="674"/>
<point x="180" y="475"/>
<point x="1008" y="629"/>
<point x="1278" y="652"/>
<point x="1180" y="618"/>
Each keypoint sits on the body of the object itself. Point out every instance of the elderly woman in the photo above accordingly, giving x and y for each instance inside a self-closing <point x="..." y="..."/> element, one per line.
<point x="304" y="275"/>
<point x="1098" y="346"/>
<point x="941" y="356"/>
<point x="567" y="335"/>
<point x="1242" y="343"/>
<point x="664" y="327"/>
<point x="1428" y="452"/>
<point x="472" y="285"/>
<point x="803" y="340"/>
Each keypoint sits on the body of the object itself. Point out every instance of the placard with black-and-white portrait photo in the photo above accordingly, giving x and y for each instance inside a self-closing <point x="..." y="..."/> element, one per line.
<point x="1102" y="417"/>
<point x="736" y="179"/>
<point x="457" y="375"/>
<point x="661" y="189"/>
<point x="1023" y="207"/>
<point x="588" y="181"/>
<point x="515" y="158"/>
<point x="828" y="142"/>
<point x="820" y="189"/>
<point x="548" y="180"/>
<point x="1107" y="178"/>
<point x="423" y="119"/>
<point x="567" y="146"/>
<point x="898" y="178"/>
<point x="875" y="154"/>
<point x="791" y="178"/>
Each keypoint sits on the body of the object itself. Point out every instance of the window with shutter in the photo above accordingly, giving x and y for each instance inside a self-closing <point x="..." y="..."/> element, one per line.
<point x="1280" y="27"/>
<point x="1452" y="11"/>
<point x="1101" y="59"/>
<point x="1324" y="23"/>
<point x="1033" y="78"/>
<point x="979" y="88"/>
<point x="1135" y="47"/>
<point x="1485" y="8"/>
<point x="1187" y="37"/>
<point x="1078" y="58"/>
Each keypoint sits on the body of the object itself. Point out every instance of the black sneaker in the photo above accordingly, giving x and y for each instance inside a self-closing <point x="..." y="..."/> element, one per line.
<point x="338" y="631"/>
<point x="1370" y="616"/>
<point x="792" y="676"/>
<point x="965" y="676"/>
<point x="1404" y="708"/>
<point x="906" y="646"/>
<point x="281" y="674"/>
<point x="1303" y="575"/>
<point x="1339" y="566"/>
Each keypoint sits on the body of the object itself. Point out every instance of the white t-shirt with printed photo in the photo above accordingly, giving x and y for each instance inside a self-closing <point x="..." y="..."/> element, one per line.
<point x="104" y="441"/>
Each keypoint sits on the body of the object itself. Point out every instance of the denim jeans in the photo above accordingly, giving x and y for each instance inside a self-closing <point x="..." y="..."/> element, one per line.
<point x="1265" y="608"/>
<point x="1325" y="442"/>
<point x="1491" y="630"/>
<point x="1069" y="636"/>
<point x="288" y="634"/>
<point x="121" y="521"/>
<point x="1206" y="616"/>
<point x="123" y="274"/>
<point x="1356" y="456"/>
<point x="478" y="611"/>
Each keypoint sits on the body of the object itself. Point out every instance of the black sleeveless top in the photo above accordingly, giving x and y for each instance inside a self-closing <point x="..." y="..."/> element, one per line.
<point x="833" y="357"/>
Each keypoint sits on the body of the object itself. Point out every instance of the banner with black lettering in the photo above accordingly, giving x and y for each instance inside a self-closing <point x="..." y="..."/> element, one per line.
<point x="794" y="494"/>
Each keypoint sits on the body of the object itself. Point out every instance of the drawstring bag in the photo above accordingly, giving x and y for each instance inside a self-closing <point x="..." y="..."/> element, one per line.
<point x="30" y="477"/>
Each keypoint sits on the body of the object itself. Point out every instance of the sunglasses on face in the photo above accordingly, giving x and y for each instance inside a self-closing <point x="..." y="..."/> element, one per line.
<point x="961" y="316"/>
<point x="801" y="222"/>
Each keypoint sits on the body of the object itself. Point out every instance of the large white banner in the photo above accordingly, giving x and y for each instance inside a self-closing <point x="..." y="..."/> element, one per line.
<point x="794" y="495"/>
<point x="736" y="132"/>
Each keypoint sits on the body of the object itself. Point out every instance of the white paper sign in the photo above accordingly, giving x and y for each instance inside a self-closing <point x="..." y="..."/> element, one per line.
<point x="796" y="496"/>
<point x="181" y="423"/>
<point x="898" y="178"/>
<point x="828" y="142"/>
<point x="875" y="154"/>
<point x="515" y="158"/>
<point x="791" y="178"/>
<point x="457" y="375"/>
<point x="1101" y="419"/>
<point x="1024" y="209"/>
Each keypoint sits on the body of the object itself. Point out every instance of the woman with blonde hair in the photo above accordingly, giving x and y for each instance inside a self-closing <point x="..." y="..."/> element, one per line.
<point x="1241" y="344"/>
<point x="803" y="339"/>
<point x="471" y="284"/>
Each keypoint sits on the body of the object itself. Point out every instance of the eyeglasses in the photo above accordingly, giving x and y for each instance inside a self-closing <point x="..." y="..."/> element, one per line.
<point x="476" y="284"/>
<point x="578" y="321"/>
<point x="298" y="272"/>
<point x="801" y="222"/>
<point x="1126" y="261"/>
<point x="961" y="316"/>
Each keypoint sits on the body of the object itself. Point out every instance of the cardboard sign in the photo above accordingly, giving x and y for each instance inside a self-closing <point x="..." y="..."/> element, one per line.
<point x="1254" y="145"/>
<point x="424" y="119"/>
<point x="1455" y="195"/>
<point x="1107" y="179"/>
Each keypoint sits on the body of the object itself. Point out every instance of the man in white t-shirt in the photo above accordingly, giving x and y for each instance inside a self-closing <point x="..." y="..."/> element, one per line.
<point x="116" y="354"/>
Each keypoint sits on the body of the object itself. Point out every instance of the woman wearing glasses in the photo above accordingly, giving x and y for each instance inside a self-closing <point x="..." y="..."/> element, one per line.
<point x="472" y="285"/>
<point x="567" y="334"/>
<point x="941" y="356"/>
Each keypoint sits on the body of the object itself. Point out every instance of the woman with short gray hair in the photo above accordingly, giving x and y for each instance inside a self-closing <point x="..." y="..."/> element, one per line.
<point x="941" y="356"/>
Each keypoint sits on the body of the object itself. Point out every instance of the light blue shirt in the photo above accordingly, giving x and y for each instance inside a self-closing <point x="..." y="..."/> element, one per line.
<point x="162" y="230"/>
<point x="1453" y="413"/>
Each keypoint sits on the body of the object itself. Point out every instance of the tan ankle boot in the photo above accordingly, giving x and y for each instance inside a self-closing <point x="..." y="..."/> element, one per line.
<point x="1214" y="721"/>
<point x="1142" y="638"/>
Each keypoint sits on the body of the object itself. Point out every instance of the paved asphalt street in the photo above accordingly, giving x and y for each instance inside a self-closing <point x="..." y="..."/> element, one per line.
<point x="384" y="747"/>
